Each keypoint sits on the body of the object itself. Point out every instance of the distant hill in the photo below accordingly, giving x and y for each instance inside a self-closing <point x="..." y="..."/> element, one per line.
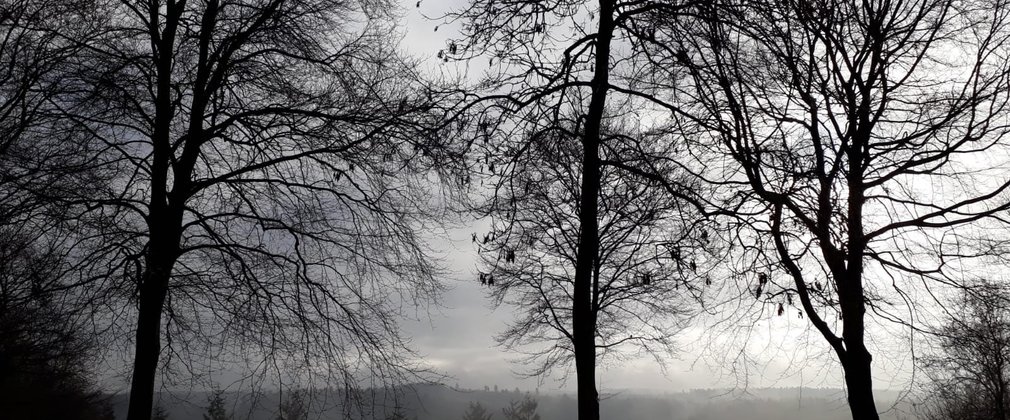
<point x="436" y="402"/>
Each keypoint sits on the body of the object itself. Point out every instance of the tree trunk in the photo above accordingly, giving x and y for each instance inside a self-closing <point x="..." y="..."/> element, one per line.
<point x="148" y="348"/>
<point x="588" y="398"/>
<point x="859" y="383"/>
<point x="851" y="295"/>
<point x="1001" y="411"/>
<point x="162" y="252"/>
<point x="584" y="307"/>
<point x="163" y="221"/>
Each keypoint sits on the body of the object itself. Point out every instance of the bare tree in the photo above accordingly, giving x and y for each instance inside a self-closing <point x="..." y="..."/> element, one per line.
<point x="47" y="352"/>
<point x="39" y="157"/>
<point x="476" y="411"/>
<point x="216" y="409"/>
<point x="970" y="374"/>
<point x="46" y="348"/>
<point x="857" y="146"/>
<point x="270" y="173"/>
<point x="522" y="410"/>
<point x="44" y="364"/>
<point x="28" y="53"/>
<point x="641" y="275"/>
<point x="550" y="94"/>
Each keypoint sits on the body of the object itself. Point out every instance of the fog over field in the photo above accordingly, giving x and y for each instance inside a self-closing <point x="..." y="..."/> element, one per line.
<point x="435" y="402"/>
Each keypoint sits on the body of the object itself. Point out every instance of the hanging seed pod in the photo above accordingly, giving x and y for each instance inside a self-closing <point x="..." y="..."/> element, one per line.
<point x="781" y="309"/>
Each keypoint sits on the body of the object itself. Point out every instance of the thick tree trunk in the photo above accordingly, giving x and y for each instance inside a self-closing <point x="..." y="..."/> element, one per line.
<point x="856" y="361"/>
<point x="859" y="384"/>
<point x="583" y="311"/>
<point x="851" y="295"/>
<point x="148" y="348"/>
<point x="163" y="221"/>
<point x="585" y="305"/>
<point x="589" y="399"/>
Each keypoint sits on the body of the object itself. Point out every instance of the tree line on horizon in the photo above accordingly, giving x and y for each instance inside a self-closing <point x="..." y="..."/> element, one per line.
<point x="435" y="402"/>
<point x="251" y="183"/>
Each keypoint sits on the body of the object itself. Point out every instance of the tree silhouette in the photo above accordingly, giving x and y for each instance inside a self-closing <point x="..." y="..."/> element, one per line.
<point x="215" y="408"/>
<point x="46" y="350"/>
<point x="272" y="167"/>
<point x="526" y="409"/>
<point x="641" y="277"/>
<point x="476" y="411"/>
<point x="46" y="347"/>
<point x="837" y="134"/>
<point x="550" y="92"/>
<point x="970" y="375"/>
